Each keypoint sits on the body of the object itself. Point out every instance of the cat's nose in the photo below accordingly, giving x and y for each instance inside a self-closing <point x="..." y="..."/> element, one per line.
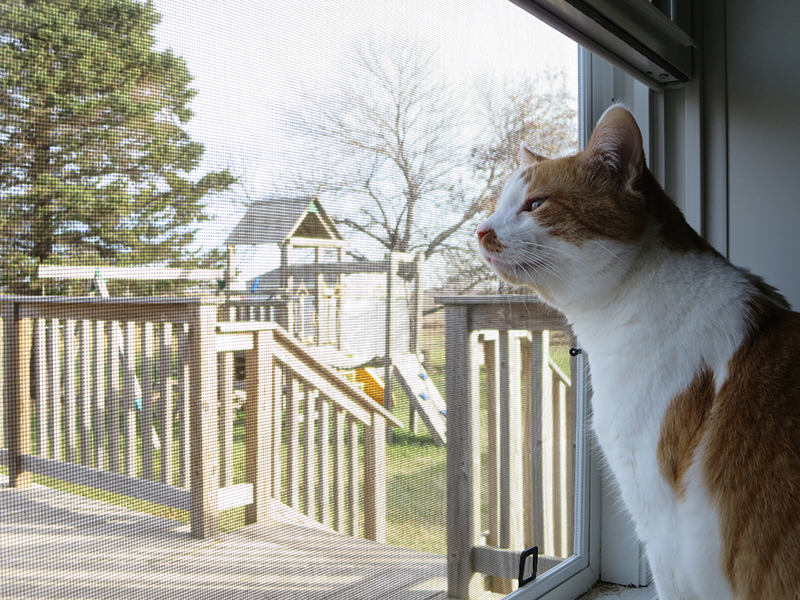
<point x="482" y="232"/>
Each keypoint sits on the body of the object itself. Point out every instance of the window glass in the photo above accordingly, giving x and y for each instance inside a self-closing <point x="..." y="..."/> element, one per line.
<point x="272" y="206"/>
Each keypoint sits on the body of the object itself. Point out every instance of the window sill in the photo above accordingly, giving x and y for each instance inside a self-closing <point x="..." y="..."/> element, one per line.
<point x="610" y="591"/>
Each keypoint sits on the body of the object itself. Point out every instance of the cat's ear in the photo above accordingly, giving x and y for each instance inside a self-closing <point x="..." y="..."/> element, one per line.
<point x="528" y="157"/>
<point x="616" y="146"/>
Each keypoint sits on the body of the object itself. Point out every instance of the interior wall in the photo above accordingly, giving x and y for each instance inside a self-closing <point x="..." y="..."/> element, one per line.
<point x="763" y="117"/>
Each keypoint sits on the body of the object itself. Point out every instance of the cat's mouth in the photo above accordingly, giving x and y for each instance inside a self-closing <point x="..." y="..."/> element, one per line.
<point x="515" y="269"/>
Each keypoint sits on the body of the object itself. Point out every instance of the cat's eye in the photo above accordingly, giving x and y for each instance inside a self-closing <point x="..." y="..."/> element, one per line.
<point x="532" y="204"/>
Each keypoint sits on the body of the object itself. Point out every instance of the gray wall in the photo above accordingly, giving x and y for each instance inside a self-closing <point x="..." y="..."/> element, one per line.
<point x="763" y="115"/>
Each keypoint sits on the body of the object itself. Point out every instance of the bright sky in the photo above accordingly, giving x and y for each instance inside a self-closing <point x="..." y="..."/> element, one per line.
<point x="250" y="60"/>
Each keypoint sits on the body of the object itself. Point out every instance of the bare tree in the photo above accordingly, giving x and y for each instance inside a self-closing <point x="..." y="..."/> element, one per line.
<point x="395" y="139"/>
<point x="413" y="166"/>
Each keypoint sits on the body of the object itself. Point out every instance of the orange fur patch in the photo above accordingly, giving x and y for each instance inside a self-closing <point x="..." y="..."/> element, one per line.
<point x="682" y="429"/>
<point x="751" y="461"/>
<point x="588" y="204"/>
<point x="583" y="206"/>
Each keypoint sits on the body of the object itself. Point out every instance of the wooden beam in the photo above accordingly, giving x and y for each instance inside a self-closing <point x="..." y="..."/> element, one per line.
<point x="508" y="312"/>
<point x="152" y="310"/>
<point x="302" y="242"/>
<point x="339" y="268"/>
<point x="307" y="363"/>
<point x="143" y="489"/>
<point x="463" y="457"/>
<point x="137" y="273"/>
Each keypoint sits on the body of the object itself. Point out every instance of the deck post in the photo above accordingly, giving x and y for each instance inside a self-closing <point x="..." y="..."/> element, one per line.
<point x="204" y="421"/>
<point x="463" y="457"/>
<point x="375" y="479"/>
<point x="259" y="414"/>
<point x="17" y="337"/>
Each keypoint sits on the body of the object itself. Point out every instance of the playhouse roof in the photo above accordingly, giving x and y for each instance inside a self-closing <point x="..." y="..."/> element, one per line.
<point x="276" y="220"/>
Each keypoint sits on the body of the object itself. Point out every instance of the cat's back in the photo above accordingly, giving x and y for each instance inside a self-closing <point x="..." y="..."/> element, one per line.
<point x="750" y="462"/>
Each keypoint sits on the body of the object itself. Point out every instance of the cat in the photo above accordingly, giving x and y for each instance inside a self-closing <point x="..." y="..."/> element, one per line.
<point x="695" y="363"/>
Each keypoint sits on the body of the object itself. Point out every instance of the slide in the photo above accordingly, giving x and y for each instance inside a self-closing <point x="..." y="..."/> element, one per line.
<point x="424" y="396"/>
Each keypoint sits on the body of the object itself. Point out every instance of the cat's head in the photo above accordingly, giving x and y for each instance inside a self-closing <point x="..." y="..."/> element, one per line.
<point x="572" y="225"/>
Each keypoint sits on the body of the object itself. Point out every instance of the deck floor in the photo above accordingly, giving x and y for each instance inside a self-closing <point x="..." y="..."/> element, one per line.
<point x="57" y="545"/>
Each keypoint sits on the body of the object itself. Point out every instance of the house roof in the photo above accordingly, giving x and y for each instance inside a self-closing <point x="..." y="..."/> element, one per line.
<point x="276" y="220"/>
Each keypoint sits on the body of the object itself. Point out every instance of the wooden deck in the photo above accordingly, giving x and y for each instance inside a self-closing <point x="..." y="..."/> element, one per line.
<point x="58" y="545"/>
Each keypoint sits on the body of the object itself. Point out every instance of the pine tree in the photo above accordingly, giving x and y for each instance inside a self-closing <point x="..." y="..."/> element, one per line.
<point x="95" y="166"/>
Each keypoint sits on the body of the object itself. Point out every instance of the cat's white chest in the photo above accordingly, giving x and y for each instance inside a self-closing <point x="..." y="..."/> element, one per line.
<point x="629" y="401"/>
<point x="638" y="367"/>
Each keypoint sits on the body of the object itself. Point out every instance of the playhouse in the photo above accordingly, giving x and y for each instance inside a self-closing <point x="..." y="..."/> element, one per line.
<point x="362" y="313"/>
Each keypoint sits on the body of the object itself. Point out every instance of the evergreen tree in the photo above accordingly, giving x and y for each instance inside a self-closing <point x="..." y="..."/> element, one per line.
<point x="95" y="166"/>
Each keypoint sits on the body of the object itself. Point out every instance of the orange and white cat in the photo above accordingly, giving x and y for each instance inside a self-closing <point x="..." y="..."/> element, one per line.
<point x="695" y="364"/>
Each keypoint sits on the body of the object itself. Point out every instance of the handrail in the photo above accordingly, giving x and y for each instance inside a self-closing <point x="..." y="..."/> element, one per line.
<point x="559" y="373"/>
<point x="310" y="367"/>
<point x="330" y="481"/>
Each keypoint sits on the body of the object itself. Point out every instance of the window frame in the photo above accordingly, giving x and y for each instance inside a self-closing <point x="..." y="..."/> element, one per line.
<point x="634" y="35"/>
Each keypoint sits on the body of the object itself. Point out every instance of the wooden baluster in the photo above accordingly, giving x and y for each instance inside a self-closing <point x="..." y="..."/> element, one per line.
<point x="40" y="370"/>
<point x="534" y="371"/>
<point x="70" y="396"/>
<point x="116" y="396"/>
<point x="259" y="422"/>
<point x="54" y="376"/>
<point x="293" y="450"/>
<point x="571" y="452"/>
<point x="339" y="472"/>
<point x="490" y="360"/>
<point x="129" y="401"/>
<point x="165" y="404"/>
<point x="225" y="366"/>
<point x="17" y="353"/>
<point x="353" y="480"/>
<point x="547" y="433"/>
<point x="106" y="359"/>
<point x="184" y="412"/>
<point x="4" y="353"/>
<point x="277" y="430"/>
<point x="557" y="465"/>
<point x="511" y="443"/>
<point x="148" y="441"/>
<point x="375" y="479"/>
<point x="323" y="461"/>
<point x="308" y="452"/>
<point x="85" y="368"/>
<point x="528" y="498"/>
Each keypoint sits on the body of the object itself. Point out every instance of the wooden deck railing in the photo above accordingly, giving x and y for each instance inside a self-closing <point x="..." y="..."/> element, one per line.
<point x="511" y="432"/>
<point x="136" y="396"/>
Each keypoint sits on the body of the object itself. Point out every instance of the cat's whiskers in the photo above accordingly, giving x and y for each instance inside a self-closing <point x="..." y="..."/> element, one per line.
<point x="579" y="260"/>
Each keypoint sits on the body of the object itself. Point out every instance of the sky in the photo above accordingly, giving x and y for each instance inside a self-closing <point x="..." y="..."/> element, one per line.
<point x="254" y="60"/>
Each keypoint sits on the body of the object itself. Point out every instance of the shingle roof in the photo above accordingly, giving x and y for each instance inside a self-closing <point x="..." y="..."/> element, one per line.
<point x="274" y="221"/>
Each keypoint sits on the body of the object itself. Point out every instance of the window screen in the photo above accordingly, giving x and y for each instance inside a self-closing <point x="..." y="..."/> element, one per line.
<point x="245" y="328"/>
